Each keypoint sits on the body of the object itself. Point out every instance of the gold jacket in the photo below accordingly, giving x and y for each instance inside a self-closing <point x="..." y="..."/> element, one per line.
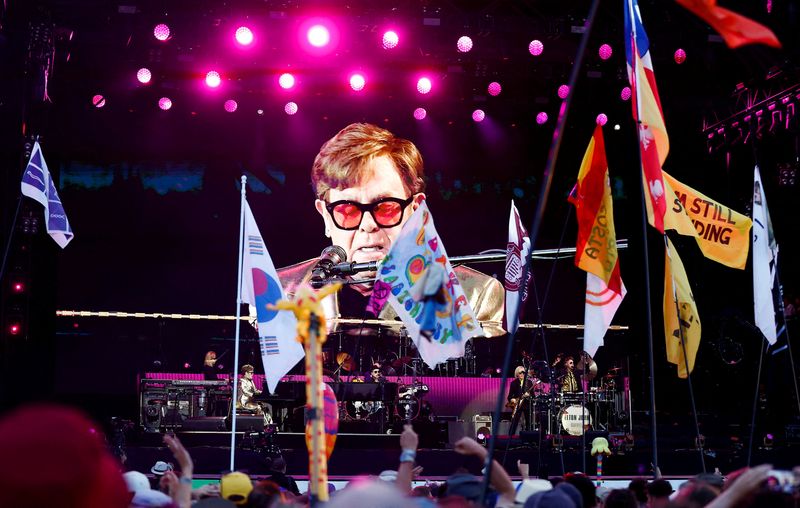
<point x="484" y="293"/>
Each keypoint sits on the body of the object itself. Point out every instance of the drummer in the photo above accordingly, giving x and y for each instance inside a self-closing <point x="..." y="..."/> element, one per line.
<point x="367" y="183"/>
<point x="569" y="383"/>
<point x="375" y="375"/>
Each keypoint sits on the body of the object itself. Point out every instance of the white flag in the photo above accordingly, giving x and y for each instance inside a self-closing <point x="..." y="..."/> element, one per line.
<point x="765" y="262"/>
<point x="38" y="184"/>
<point x="602" y="303"/>
<point x="518" y="251"/>
<point x="277" y="331"/>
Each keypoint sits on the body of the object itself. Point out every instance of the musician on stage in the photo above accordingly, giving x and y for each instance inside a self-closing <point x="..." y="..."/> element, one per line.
<point x="375" y="375"/>
<point x="246" y="392"/>
<point x="210" y="366"/>
<point x="520" y="391"/>
<point x="569" y="383"/>
<point x="367" y="183"/>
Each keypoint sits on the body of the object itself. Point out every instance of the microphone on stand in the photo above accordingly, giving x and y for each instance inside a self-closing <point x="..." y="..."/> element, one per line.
<point x="331" y="255"/>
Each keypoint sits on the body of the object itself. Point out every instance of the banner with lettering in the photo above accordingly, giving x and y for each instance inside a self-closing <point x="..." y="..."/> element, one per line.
<point x="722" y="233"/>
<point x="408" y="267"/>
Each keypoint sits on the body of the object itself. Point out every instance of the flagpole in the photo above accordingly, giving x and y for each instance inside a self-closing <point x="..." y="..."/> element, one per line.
<point x="685" y="359"/>
<point x="755" y="400"/>
<point x="544" y="191"/>
<point x="646" y="252"/>
<point x="235" y="378"/>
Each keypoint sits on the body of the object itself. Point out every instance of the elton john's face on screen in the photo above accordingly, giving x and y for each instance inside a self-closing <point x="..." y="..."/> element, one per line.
<point x="366" y="233"/>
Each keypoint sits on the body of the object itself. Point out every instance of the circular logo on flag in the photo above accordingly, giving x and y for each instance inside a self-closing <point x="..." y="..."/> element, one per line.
<point x="267" y="290"/>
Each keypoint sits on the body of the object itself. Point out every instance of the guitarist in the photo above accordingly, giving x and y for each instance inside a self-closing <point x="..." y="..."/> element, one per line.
<point x="519" y="393"/>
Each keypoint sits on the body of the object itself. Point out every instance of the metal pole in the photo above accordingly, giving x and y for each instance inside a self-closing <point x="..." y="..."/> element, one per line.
<point x="234" y="378"/>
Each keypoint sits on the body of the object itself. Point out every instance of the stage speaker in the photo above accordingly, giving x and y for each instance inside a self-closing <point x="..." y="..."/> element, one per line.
<point x="207" y="423"/>
<point x="247" y="423"/>
<point x="455" y="431"/>
<point x="504" y="427"/>
<point x="482" y="423"/>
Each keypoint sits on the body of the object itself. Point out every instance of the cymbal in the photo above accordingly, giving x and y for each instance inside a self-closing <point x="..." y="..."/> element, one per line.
<point x="614" y="369"/>
<point x="345" y="361"/>
<point x="588" y="364"/>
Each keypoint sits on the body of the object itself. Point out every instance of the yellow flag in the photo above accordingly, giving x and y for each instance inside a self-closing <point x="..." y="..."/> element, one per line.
<point x="722" y="233"/>
<point x="676" y="286"/>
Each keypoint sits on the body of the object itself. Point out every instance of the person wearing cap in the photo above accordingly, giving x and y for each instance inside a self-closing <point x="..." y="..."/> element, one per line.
<point x="142" y="495"/>
<point x="235" y="486"/>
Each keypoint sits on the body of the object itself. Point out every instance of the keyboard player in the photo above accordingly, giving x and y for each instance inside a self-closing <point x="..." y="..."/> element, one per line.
<point x="246" y="392"/>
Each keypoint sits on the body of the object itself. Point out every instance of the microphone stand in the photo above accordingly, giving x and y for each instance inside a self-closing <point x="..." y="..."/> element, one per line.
<point x="338" y="271"/>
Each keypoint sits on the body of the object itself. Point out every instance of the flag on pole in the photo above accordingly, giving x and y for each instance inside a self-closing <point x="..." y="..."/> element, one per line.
<point x="38" y="184"/>
<point x="261" y="286"/>
<point x="676" y="288"/>
<point x="596" y="249"/>
<point x="653" y="139"/>
<point x="407" y="267"/>
<point x="722" y="233"/>
<point x="518" y="251"/>
<point x="737" y="30"/>
<point x="765" y="263"/>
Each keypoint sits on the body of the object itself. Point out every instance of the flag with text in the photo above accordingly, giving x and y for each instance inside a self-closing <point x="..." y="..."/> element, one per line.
<point x="37" y="183"/>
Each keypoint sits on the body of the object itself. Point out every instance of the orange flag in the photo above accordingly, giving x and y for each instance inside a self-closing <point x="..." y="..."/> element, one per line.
<point x="736" y="29"/>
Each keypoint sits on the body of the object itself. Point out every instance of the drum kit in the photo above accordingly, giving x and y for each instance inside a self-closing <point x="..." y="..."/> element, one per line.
<point x="600" y="406"/>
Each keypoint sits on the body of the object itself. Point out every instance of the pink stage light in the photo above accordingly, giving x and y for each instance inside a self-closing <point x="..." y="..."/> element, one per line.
<point x="625" y="94"/>
<point x="231" y="105"/>
<point x="541" y="118"/>
<point x="213" y="79"/>
<point x="98" y="101"/>
<point x="420" y="113"/>
<point x="680" y="56"/>
<point x="494" y="89"/>
<point x="286" y="81"/>
<point x="290" y="108"/>
<point x="563" y="91"/>
<point x="464" y="44"/>
<point x="161" y="32"/>
<point x="424" y="85"/>
<point x="318" y="36"/>
<point x="144" y="75"/>
<point x="357" y="82"/>
<point x="244" y="36"/>
<point x="536" y="47"/>
<point x="605" y="52"/>
<point x="601" y="119"/>
<point x="478" y="115"/>
<point x="165" y="103"/>
<point x="390" y="40"/>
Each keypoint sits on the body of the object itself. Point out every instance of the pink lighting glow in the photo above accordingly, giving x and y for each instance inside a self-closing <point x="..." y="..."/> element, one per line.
<point x="286" y="81"/>
<point x="144" y="75"/>
<point x="165" y="103"/>
<point x="478" y="115"/>
<point x="494" y="89"/>
<point x="390" y="40"/>
<point x="605" y="52"/>
<point x="318" y="36"/>
<point x="424" y="85"/>
<point x="231" y="105"/>
<point x="420" y="113"/>
<point x="680" y="56"/>
<point x="290" y="108"/>
<point x="601" y="119"/>
<point x="357" y="82"/>
<point x="563" y="91"/>
<point x="625" y="94"/>
<point x="464" y="44"/>
<point x="213" y="79"/>
<point x="536" y="47"/>
<point x="244" y="36"/>
<point x="161" y="32"/>
<point x="98" y="101"/>
<point x="541" y="118"/>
